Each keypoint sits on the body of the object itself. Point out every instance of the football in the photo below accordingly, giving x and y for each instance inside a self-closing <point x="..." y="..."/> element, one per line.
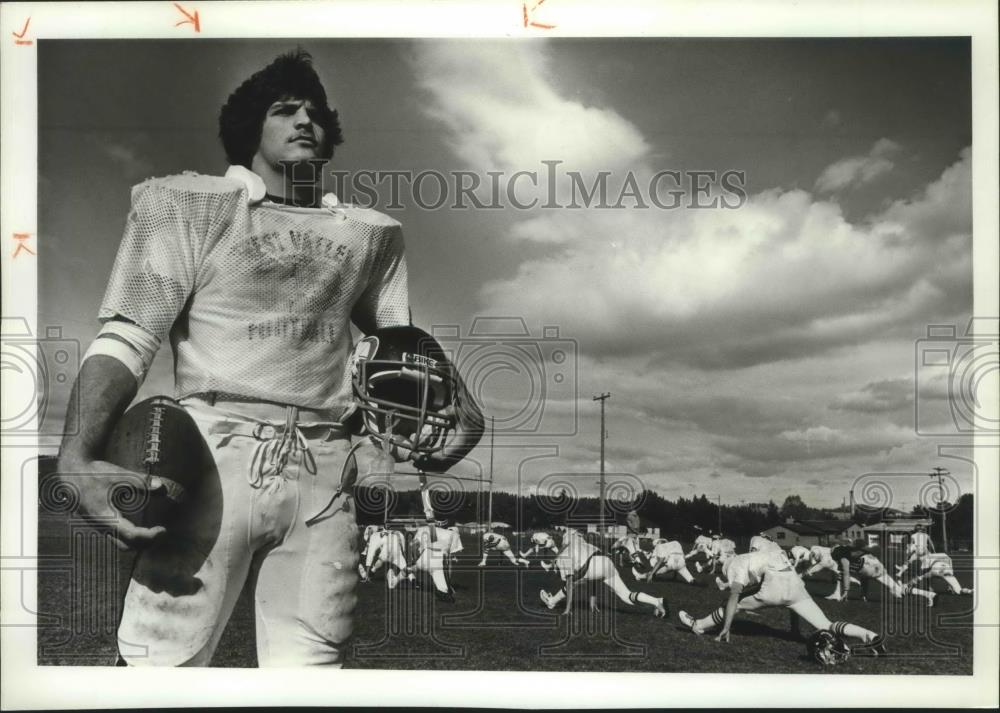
<point x="159" y="440"/>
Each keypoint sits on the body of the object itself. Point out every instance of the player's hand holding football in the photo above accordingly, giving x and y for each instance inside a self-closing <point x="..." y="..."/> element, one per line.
<point x="97" y="485"/>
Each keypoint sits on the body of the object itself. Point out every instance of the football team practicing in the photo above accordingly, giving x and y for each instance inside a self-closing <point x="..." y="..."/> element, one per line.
<point x="765" y="576"/>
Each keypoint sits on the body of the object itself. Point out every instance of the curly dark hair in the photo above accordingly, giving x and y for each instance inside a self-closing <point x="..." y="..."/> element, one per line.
<point x="289" y="76"/>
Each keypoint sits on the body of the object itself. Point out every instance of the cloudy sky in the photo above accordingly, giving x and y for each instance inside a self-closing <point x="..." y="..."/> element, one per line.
<point x="751" y="352"/>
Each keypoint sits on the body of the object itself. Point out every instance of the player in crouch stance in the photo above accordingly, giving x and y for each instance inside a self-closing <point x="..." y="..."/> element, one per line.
<point x="763" y="542"/>
<point x="540" y="541"/>
<point x="702" y="546"/>
<point x="800" y="557"/>
<point x="821" y="559"/>
<point x="766" y="579"/>
<point x="581" y="562"/>
<point x="667" y="556"/>
<point x="855" y="562"/>
<point x="495" y="542"/>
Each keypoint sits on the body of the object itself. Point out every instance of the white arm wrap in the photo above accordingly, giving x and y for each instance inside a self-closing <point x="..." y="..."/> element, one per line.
<point x="129" y="343"/>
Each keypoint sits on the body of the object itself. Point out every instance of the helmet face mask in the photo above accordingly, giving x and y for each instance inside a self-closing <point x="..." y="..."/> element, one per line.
<point x="827" y="648"/>
<point x="402" y="382"/>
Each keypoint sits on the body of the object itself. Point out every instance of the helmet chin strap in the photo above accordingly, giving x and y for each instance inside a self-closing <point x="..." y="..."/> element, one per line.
<point x="384" y="464"/>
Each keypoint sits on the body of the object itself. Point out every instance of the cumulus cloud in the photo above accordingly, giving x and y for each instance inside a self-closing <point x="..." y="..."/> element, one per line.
<point x="785" y="276"/>
<point x="504" y="114"/>
<point x="856" y="171"/>
<point x="678" y="310"/>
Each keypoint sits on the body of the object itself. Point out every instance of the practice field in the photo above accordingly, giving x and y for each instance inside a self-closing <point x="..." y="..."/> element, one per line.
<point x="498" y="623"/>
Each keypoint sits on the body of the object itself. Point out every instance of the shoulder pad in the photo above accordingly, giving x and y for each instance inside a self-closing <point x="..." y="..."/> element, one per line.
<point x="193" y="183"/>
<point x="369" y="216"/>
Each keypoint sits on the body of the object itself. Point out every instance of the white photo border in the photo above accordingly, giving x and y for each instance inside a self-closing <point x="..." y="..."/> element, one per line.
<point x="29" y="686"/>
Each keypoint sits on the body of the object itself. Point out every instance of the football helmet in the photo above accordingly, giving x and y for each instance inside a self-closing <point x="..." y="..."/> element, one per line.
<point x="402" y="381"/>
<point x="827" y="648"/>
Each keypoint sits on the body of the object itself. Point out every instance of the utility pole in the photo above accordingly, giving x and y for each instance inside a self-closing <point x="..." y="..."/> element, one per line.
<point x="718" y="499"/>
<point x="939" y="473"/>
<point x="602" y="398"/>
<point x="489" y="499"/>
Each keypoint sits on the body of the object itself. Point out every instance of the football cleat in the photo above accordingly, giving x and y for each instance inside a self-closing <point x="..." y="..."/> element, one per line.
<point x="547" y="599"/>
<point x="688" y="621"/>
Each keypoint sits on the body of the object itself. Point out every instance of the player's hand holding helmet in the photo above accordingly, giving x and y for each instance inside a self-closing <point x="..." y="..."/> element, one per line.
<point x="827" y="648"/>
<point x="413" y="403"/>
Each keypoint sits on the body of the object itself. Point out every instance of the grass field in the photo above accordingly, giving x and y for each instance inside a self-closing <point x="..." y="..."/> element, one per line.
<point x="498" y="623"/>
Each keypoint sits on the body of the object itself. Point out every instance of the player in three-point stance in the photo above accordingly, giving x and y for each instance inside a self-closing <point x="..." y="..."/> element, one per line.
<point x="255" y="277"/>
<point x="854" y="562"/>
<point x="667" y="556"/>
<point x="540" y="542"/>
<point x="495" y="542"/>
<point x="581" y="562"/>
<point x="757" y="580"/>
<point x="937" y="565"/>
<point x="702" y="546"/>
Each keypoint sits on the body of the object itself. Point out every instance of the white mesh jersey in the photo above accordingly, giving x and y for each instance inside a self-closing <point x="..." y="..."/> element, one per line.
<point x="749" y="569"/>
<point x="574" y="555"/>
<point x="257" y="299"/>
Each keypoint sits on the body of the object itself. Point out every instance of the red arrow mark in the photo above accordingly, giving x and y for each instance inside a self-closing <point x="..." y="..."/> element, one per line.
<point x="191" y="19"/>
<point x="19" y="37"/>
<point x="526" y="14"/>
<point x="21" y="239"/>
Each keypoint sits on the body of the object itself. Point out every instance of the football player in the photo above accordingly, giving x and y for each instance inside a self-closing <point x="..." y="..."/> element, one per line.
<point x="255" y="277"/>
<point x="821" y="559"/>
<point x="388" y="547"/>
<point x="763" y="542"/>
<point x="435" y="547"/>
<point x="366" y="538"/>
<point x="920" y="545"/>
<point x="766" y="579"/>
<point x="541" y="541"/>
<point x="702" y="546"/>
<point x="495" y="542"/>
<point x="937" y="564"/>
<point x="668" y="556"/>
<point x="857" y="564"/>
<point x="721" y="548"/>
<point x="631" y="546"/>
<point x="580" y="562"/>
<point x="800" y="557"/>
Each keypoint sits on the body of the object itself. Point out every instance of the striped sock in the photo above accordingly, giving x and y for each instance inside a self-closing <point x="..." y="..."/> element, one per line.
<point x="633" y="597"/>
<point x="838" y="627"/>
<point x="718" y="616"/>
